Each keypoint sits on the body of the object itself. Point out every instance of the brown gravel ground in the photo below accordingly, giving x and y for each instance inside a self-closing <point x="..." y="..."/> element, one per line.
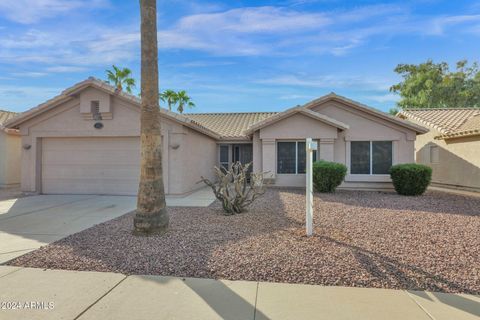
<point x="364" y="239"/>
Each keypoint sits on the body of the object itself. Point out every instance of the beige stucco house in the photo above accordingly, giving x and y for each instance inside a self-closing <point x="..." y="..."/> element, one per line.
<point x="9" y="152"/>
<point x="452" y="147"/>
<point x="86" y="140"/>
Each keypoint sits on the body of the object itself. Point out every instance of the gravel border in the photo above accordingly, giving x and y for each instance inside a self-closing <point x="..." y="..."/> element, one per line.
<point x="362" y="239"/>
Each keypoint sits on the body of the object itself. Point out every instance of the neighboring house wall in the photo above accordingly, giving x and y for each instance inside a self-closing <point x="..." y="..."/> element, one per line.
<point x="181" y="145"/>
<point x="454" y="162"/>
<point x="10" y="146"/>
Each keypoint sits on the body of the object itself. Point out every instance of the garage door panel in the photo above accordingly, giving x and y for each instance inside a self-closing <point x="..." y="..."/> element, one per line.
<point x="90" y="172"/>
<point x="91" y="186"/>
<point x="90" y="157"/>
<point x="91" y="165"/>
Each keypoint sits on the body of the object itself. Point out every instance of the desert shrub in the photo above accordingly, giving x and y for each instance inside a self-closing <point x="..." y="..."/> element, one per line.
<point x="411" y="179"/>
<point x="236" y="188"/>
<point x="327" y="176"/>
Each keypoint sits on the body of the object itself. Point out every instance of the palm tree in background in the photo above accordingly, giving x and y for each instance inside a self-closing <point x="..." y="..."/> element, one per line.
<point x="170" y="97"/>
<point x="151" y="214"/>
<point x="120" y="78"/>
<point x="184" y="100"/>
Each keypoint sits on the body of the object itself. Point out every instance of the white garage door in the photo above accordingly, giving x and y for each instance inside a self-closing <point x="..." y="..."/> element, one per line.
<point x="91" y="165"/>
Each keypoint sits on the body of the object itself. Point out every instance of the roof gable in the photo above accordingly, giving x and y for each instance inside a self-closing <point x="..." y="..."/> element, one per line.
<point x="91" y="82"/>
<point x="299" y="109"/>
<point x="366" y="109"/>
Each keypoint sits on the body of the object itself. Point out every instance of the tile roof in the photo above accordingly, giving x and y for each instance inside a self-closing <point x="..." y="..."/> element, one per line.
<point x="229" y="125"/>
<point x="450" y="122"/>
<point x="6" y="115"/>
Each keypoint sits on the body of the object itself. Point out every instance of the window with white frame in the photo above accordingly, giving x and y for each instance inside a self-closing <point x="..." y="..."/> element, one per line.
<point x="292" y="157"/>
<point x="370" y="157"/>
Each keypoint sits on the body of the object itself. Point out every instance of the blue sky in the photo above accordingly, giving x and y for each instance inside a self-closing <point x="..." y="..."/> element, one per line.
<point x="233" y="55"/>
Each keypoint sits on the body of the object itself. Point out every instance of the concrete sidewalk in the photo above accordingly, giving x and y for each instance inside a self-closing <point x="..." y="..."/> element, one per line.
<point x="58" y="294"/>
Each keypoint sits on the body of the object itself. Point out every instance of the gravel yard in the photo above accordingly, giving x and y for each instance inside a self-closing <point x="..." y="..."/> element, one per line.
<point x="365" y="239"/>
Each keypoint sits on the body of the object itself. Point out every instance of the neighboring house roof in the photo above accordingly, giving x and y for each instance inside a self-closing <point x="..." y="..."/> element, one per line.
<point x="450" y="122"/>
<point x="230" y="125"/>
<point x="69" y="93"/>
<point x="294" y="110"/>
<point x="364" y="108"/>
<point x="4" y="117"/>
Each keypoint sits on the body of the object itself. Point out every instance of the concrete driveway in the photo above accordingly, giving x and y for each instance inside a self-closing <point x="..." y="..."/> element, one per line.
<point x="29" y="223"/>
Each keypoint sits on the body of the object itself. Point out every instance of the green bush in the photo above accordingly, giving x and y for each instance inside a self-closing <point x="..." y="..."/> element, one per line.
<point x="411" y="179"/>
<point x="327" y="176"/>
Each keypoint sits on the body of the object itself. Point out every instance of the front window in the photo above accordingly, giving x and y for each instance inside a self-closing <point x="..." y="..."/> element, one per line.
<point x="224" y="156"/>
<point x="291" y="157"/>
<point x="370" y="157"/>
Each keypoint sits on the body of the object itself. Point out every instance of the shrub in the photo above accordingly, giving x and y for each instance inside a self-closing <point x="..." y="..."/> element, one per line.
<point x="411" y="179"/>
<point x="327" y="176"/>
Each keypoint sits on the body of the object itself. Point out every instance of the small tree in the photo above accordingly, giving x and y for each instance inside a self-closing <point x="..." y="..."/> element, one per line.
<point x="170" y="97"/>
<point x="121" y="77"/>
<point x="233" y="189"/>
<point x="184" y="100"/>
<point x="434" y="85"/>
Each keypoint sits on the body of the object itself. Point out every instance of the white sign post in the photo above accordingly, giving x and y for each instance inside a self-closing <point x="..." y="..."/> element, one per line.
<point x="310" y="147"/>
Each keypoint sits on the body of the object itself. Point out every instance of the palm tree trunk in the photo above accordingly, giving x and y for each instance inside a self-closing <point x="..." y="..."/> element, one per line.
<point x="151" y="215"/>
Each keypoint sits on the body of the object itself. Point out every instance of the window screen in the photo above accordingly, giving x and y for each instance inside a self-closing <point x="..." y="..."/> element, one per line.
<point x="286" y="157"/>
<point x="381" y="157"/>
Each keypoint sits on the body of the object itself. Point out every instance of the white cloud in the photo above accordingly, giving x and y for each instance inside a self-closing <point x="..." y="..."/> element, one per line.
<point x="243" y="31"/>
<point x="439" y="25"/>
<point x="88" y="45"/>
<point x="31" y="11"/>
<point x="286" y="31"/>
<point x="295" y="97"/>
<point x="328" y="82"/>
<point x="251" y="31"/>
<point x="383" y="98"/>
<point x="21" y="98"/>
<point x="65" y="69"/>
<point x="29" y="74"/>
